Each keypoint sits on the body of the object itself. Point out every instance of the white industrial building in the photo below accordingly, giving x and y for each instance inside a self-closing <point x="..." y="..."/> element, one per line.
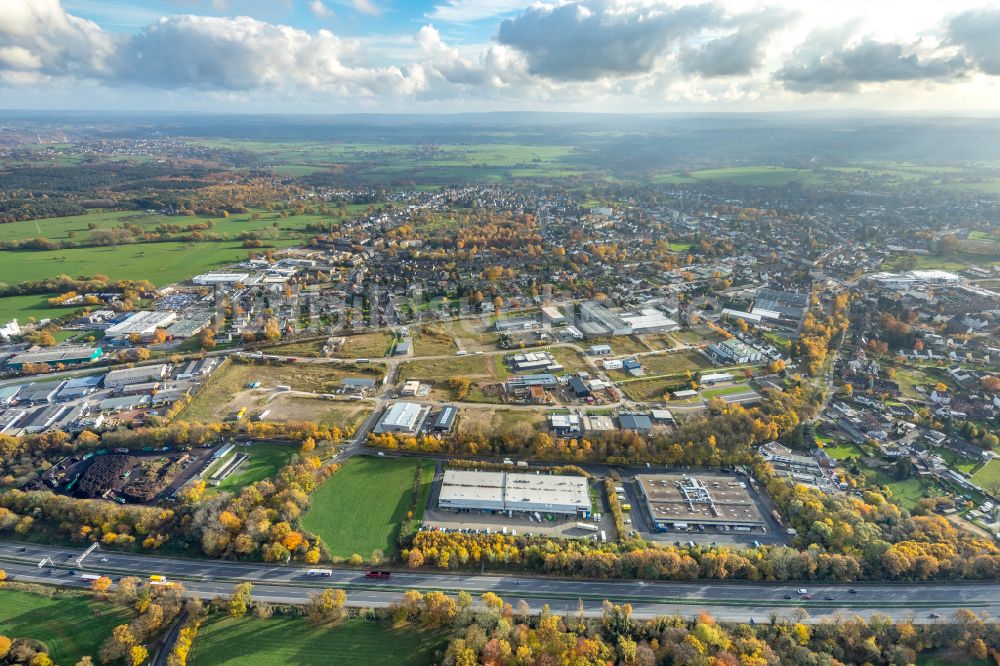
<point x="402" y="417"/>
<point x="553" y="315"/>
<point x="918" y="278"/>
<point x="140" y="375"/>
<point x="221" y="278"/>
<point x="507" y="491"/>
<point x="650" y="320"/>
<point x="144" y="322"/>
<point x="9" y="330"/>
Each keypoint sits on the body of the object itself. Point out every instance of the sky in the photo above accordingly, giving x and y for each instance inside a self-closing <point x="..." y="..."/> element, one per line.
<point x="445" y="56"/>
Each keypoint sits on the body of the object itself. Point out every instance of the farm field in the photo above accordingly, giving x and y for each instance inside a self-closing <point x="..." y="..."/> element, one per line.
<point x="225" y="391"/>
<point x="58" y="229"/>
<point x="383" y="487"/>
<point x="266" y="458"/>
<point x="485" y="162"/>
<point x="160" y="263"/>
<point x="225" y="641"/>
<point x="752" y="175"/>
<point x="72" y="626"/>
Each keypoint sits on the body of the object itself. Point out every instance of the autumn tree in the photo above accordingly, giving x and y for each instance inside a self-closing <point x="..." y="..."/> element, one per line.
<point x="242" y="596"/>
<point x="326" y="606"/>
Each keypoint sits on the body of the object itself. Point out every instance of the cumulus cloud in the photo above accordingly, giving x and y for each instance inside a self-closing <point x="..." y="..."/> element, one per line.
<point x="41" y="39"/>
<point x="739" y="52"/>
<point x="844" y="68"/>
<point x="584" y="41"/>
<point x="627" y="54"/>
<point x="243" y="54"/>
<point x="978" y="33"/>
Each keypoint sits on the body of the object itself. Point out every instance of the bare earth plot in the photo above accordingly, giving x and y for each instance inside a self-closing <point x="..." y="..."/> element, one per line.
<point x="482" y="371"/>
<point x="340" y="413"/>
<point x="433" y="340"/>
<point x="472" y="336"/>
<point x="226" y="391"/>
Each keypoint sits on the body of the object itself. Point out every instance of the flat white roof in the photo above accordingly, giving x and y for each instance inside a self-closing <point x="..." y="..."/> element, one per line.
<point x="144" y="321"/>
<point x="402" y="415"/>
<point x="648" y="318"/>
<point x="514" y="491"/>
<point x="463" y="488"/>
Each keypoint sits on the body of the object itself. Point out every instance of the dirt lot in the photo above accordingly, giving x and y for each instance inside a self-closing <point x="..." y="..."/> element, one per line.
<point x="480" y="370"/>
<point x="226" y="391"/>
<point x="472" y="336"/>
<point x="340" y="413"/>
<point x="433" y="340"/>
<point x="493" y="419"/>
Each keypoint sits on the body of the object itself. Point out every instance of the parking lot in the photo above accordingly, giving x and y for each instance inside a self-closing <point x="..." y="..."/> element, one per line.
<point x="561" y="527"/>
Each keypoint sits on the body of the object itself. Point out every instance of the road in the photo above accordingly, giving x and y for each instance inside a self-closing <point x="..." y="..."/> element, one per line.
<point x="729" y="601"/>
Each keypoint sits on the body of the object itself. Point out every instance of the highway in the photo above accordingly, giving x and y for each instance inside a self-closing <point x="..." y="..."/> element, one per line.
<point x="726" y="601"/>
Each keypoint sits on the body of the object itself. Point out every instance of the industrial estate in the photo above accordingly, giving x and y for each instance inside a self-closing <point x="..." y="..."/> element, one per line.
<point x="491" y="388"/>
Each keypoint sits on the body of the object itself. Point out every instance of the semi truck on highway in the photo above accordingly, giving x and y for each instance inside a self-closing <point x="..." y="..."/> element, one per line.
<point x="157" y="579"/>
<point x="320" y="572"/>
<point x="90" y="578"/>
<point x="588" y="527"/>
<point x="377" y="574"/>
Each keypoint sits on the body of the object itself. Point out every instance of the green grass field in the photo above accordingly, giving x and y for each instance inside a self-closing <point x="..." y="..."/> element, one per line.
<point x="58" y="229"/>
<point x="226" y="641"/>
<point x="359" y="509"/>
<point x="842" y="451"/>
<point x="725" y="390"/>
<point x="266" y="458"/>
<point x="71" y="626"/>
<point x="161" y="263"/>
<point x="988" y="475"/>
<point x="31" y="306"/>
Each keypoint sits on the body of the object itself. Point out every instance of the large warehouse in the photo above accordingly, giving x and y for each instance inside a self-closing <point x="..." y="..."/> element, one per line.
<point x="404" y="417"/>
<point x="683" y="502"/>
<point x="506" y="491"/>
<point x="142" y="323"/>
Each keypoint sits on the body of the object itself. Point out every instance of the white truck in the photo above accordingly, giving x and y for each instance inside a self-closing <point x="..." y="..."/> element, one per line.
<point x="588" y="527"/>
